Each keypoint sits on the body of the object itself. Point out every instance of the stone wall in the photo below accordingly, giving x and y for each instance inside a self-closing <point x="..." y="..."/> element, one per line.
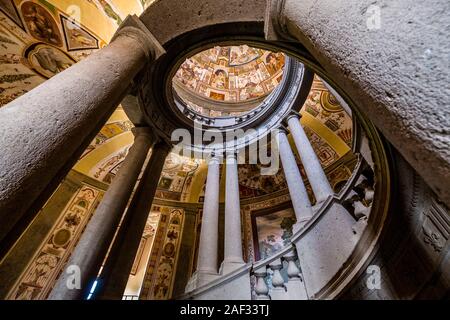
<point x="413" y="254"/>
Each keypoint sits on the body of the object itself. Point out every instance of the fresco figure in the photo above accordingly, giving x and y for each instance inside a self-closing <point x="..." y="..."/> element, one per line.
<point x="41" y="24"/>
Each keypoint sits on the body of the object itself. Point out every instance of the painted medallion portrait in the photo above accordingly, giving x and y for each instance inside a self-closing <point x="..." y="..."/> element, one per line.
<point x="41" y="24"/>
<point x="48" y="60"/>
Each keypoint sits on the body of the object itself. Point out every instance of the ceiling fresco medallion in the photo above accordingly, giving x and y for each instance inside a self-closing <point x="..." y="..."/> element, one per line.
<point x="47" y="60"/>
<point x="231" y="74"/>
<point x="41" y="24"/>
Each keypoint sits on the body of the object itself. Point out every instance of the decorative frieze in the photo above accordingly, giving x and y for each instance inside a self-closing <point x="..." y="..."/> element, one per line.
<point x="43" y="270"/>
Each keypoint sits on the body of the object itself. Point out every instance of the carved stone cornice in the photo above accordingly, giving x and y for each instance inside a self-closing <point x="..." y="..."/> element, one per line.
<point x="275" y="22"/>
<point x="134" y="28"/>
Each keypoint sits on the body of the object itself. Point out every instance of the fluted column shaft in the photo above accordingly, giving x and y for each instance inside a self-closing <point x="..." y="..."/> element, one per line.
<point x="116" y="270"/>
<point x="233" y="238"/>
<point x="209" y="232"/>
<point x="297" y="189"/>
<point x="314" y="171"/>
<point x="44" y="132"/>
<point x="92" y="248"/>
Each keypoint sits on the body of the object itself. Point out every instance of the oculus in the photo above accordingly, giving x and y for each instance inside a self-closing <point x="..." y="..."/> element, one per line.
<point x="228" y="81"/>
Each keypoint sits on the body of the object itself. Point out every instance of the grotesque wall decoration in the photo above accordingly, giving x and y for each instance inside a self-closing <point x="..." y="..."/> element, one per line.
<point x="40" y="275"/>
<point x="176" y="177"/>
<point x="159" y="277"/>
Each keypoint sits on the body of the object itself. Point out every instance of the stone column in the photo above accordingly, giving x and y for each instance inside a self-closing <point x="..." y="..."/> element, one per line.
<point x="297" y="189"/>
<point x="314" y="171"/>
<point x="93" y="246"/>
<point x="209" y="232"/>
<point x="233" y="238"/>
<point x="207" y="252"/>
<point x="116" y="270"/>
<point x="44" y="132"/>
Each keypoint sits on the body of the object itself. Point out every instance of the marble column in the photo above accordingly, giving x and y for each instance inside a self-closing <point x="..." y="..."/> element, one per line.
<point x="93" y="246"/>
<point x="209" y="233"/>
<point x="233" y="238"/>
<point x="297" y="189"/>
<point x="314" y="171"/>
<point x="116" y="270"/>
<point x="44" y="132"/>
<point x="207" y="252"/>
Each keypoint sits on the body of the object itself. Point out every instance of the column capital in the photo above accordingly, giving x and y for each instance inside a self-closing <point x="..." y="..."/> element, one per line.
<point x="275" y="22"/>
<point x="134" y="28"/>
<point x="293" y="114"/>
<point x="145" y="131"/>
<point x="231" y="154"/>
<point x="216" y="156"/>
<point x="283" y="129"/>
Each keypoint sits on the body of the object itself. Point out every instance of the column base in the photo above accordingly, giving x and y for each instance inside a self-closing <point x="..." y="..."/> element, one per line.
<point x="316" y="207"/>
<point x="319" y="203"/>
<point x="200" y="278"/>
<point x="299" y="225"/>
<point x="230" y="266"/>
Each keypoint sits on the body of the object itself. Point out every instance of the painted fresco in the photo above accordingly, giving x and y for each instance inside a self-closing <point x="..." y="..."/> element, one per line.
<point x="101" y="170"/>
<point x="41" y="24"/>
<point x="326" y="154"/>
<point x="10" y="10"/>
<point x="176" y="177"/>
<point x="252" y="183"/>
<point x="77" y="38"/>
<point x="47" y="60"/>
<point x="38" y="41"/>
<point x="273" y="231"/>
<point x="324" y="107"/>
<point x="43" y="270"/>
<point x="147" y="238"/>
<point x="232" y="74"/>
<point x="109" y="130"/>
<point x="160" y="272"/>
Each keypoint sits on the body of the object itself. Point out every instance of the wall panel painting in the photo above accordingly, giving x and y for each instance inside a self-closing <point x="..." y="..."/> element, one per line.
<point x="47" y="264"/>
<point x="77" y="37"/>
<point x="272" y="230"/>
<point x="47" y="60"/>
<point x="40" y="23"/>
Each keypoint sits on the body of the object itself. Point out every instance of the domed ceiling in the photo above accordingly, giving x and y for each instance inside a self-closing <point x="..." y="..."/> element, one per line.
<point x="231" y="75"/>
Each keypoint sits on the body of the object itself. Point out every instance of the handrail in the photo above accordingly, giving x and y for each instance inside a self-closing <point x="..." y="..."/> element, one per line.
<point x="287" y="249"/>
<point x="352" y="180"/>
